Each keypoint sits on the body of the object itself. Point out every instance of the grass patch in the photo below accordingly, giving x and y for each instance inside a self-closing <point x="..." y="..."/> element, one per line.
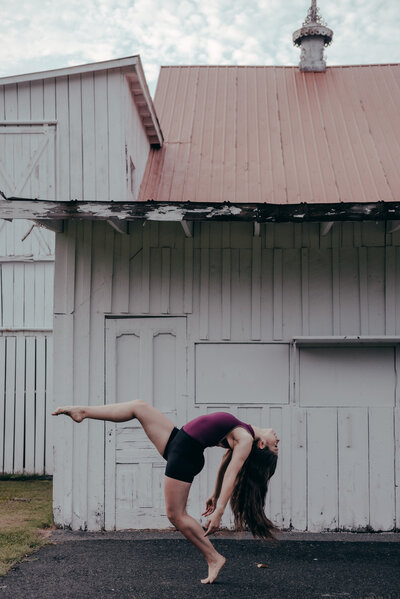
<point x="25" y="514"/>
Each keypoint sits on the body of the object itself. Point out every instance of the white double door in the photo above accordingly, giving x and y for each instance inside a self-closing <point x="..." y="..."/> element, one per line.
<point x="145" y="359"/>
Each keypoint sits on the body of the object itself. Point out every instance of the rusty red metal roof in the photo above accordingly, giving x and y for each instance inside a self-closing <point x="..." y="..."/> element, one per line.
<point x="276" y="135"/>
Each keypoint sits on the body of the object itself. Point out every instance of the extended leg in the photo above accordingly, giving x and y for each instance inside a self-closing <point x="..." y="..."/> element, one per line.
<point x="155" y="424"/>
<point x="176" y="494"/>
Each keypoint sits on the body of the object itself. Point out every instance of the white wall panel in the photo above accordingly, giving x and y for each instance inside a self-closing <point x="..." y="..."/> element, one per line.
<point x="236" y="373"/>
<point x="347" y="376"/>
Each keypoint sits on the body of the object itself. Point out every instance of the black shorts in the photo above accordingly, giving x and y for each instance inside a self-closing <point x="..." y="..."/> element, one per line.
<point x="184" y="456"/>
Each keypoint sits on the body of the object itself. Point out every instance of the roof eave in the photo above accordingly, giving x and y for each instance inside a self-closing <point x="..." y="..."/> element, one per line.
<point x="20" y="208"/>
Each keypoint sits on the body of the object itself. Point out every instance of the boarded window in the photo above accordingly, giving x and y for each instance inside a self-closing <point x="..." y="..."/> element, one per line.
<point x="347" y="376"/>
<point x="242" y="373"/>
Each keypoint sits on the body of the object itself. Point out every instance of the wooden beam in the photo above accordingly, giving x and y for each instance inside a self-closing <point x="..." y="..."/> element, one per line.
<point x="121" y="226"/>
<point x="326" y="227"/>
<point x="16" y="208"/>
<point x="187" y="226"/>
<point x="57" y="226"/>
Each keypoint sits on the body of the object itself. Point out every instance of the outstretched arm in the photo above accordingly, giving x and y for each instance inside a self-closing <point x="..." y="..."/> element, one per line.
<point x="212" y="501"/>
<point x="239" y="455"/>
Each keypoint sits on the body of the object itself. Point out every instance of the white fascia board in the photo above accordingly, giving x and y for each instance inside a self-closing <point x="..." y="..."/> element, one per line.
<point x="118" y="63"/>
<point x="146" y="94"/>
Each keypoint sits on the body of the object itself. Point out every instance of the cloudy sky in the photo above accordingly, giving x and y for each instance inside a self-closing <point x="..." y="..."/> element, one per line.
<point x="40" y="35"/>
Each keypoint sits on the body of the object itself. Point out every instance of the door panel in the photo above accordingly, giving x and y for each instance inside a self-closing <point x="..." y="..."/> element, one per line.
<point x="146" y="359"/>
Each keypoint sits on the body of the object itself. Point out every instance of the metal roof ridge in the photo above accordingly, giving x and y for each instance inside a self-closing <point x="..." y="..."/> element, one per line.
<point x="270" y="66"/>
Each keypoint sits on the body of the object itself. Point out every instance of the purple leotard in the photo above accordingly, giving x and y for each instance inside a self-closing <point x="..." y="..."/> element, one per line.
<point x="210" y="430"/>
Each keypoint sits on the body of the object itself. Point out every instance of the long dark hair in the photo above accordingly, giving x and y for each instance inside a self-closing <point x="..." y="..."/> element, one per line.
<point x="248" y="497"/>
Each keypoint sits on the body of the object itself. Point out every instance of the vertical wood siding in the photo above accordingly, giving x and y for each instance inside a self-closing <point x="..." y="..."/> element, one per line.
<point x="26" y="355"/>
<point x="234" y="288"/>
<point x="25" y="403"/>
<point x="94" y="136"/>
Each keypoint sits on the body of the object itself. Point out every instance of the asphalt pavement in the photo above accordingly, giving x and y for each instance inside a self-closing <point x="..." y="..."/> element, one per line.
<point x="165" y="566"/>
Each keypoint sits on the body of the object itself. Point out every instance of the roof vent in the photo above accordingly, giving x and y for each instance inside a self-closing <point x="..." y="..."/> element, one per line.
<point x="312" y="38"/>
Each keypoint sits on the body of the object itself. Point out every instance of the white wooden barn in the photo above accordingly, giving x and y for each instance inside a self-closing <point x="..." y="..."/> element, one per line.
<point x="233" y="246"/>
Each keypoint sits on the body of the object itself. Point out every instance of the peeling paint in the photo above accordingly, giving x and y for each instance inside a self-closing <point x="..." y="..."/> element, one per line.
<point x="225" y="211"/>
<point x="166" y="213"/>
<point x="17" y="208"/>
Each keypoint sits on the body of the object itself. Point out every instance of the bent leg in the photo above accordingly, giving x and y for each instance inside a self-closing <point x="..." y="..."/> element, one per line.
<point x="176" y="494"/>
<point x="155" y="424"/>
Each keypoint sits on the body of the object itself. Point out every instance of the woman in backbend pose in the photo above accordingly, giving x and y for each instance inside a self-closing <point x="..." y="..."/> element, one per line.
<point x="246" y="467"/>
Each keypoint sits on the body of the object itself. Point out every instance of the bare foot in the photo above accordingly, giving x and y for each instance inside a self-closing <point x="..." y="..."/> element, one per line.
<point x="75" y="412"/>
<point x="214" y="569"/>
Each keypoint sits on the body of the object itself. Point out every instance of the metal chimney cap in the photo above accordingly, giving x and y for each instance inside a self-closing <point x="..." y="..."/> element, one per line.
<point x="313" y="30"/>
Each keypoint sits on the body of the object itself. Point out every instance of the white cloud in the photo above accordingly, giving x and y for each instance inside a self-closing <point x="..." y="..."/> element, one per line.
<point x="46" y="34"/>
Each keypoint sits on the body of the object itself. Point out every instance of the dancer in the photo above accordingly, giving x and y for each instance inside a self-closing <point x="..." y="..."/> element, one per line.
<point x="243" y="476"/>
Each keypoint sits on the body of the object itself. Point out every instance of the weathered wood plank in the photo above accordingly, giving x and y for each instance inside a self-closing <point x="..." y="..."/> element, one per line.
<point x="116" y="138"/>
<point x="336" y="290"/>
<point x="49" y="466"/>
<point x="188" y="280"/>
<point x="7" y="283"/>
<point x="39" y="294"/>
<point x="40" y="404"/>
<point x="120" y="290"/>
<point x="2" y="394"/>
<point x="275" y="499"/>
<point x="226" y="294"/>
<point x="30" y="405"/>
<point x="88" y="137"/>
<point x="298" y="450"/>
<point x="63" y="427"/>
<point x="305" y="293"/>
<point x="102" y="261"/>
<point x="18" y="295"/>
<point x="165" y="280"/>
<point x="363" y="285"/>
<point x="204" y="292"/>
<point x="353" y="468"/>
<point x="64" y="273"/>
<point x="382" y="491"/>
<point x="390" y="290"/>
<point x="256" y="289"/>
<point x="75" y="137"/>
<point x="81" y="364"/>
<point x="9" y="405"/>
<point x="376" y="290"/>
<point x="278" y="296"/>
<point x="145" y="290"/>
<point x="63" y="142"/>
<point x="397" y="462"/>
<point x="322" y="449"/>
<point x="19" y="406"/>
